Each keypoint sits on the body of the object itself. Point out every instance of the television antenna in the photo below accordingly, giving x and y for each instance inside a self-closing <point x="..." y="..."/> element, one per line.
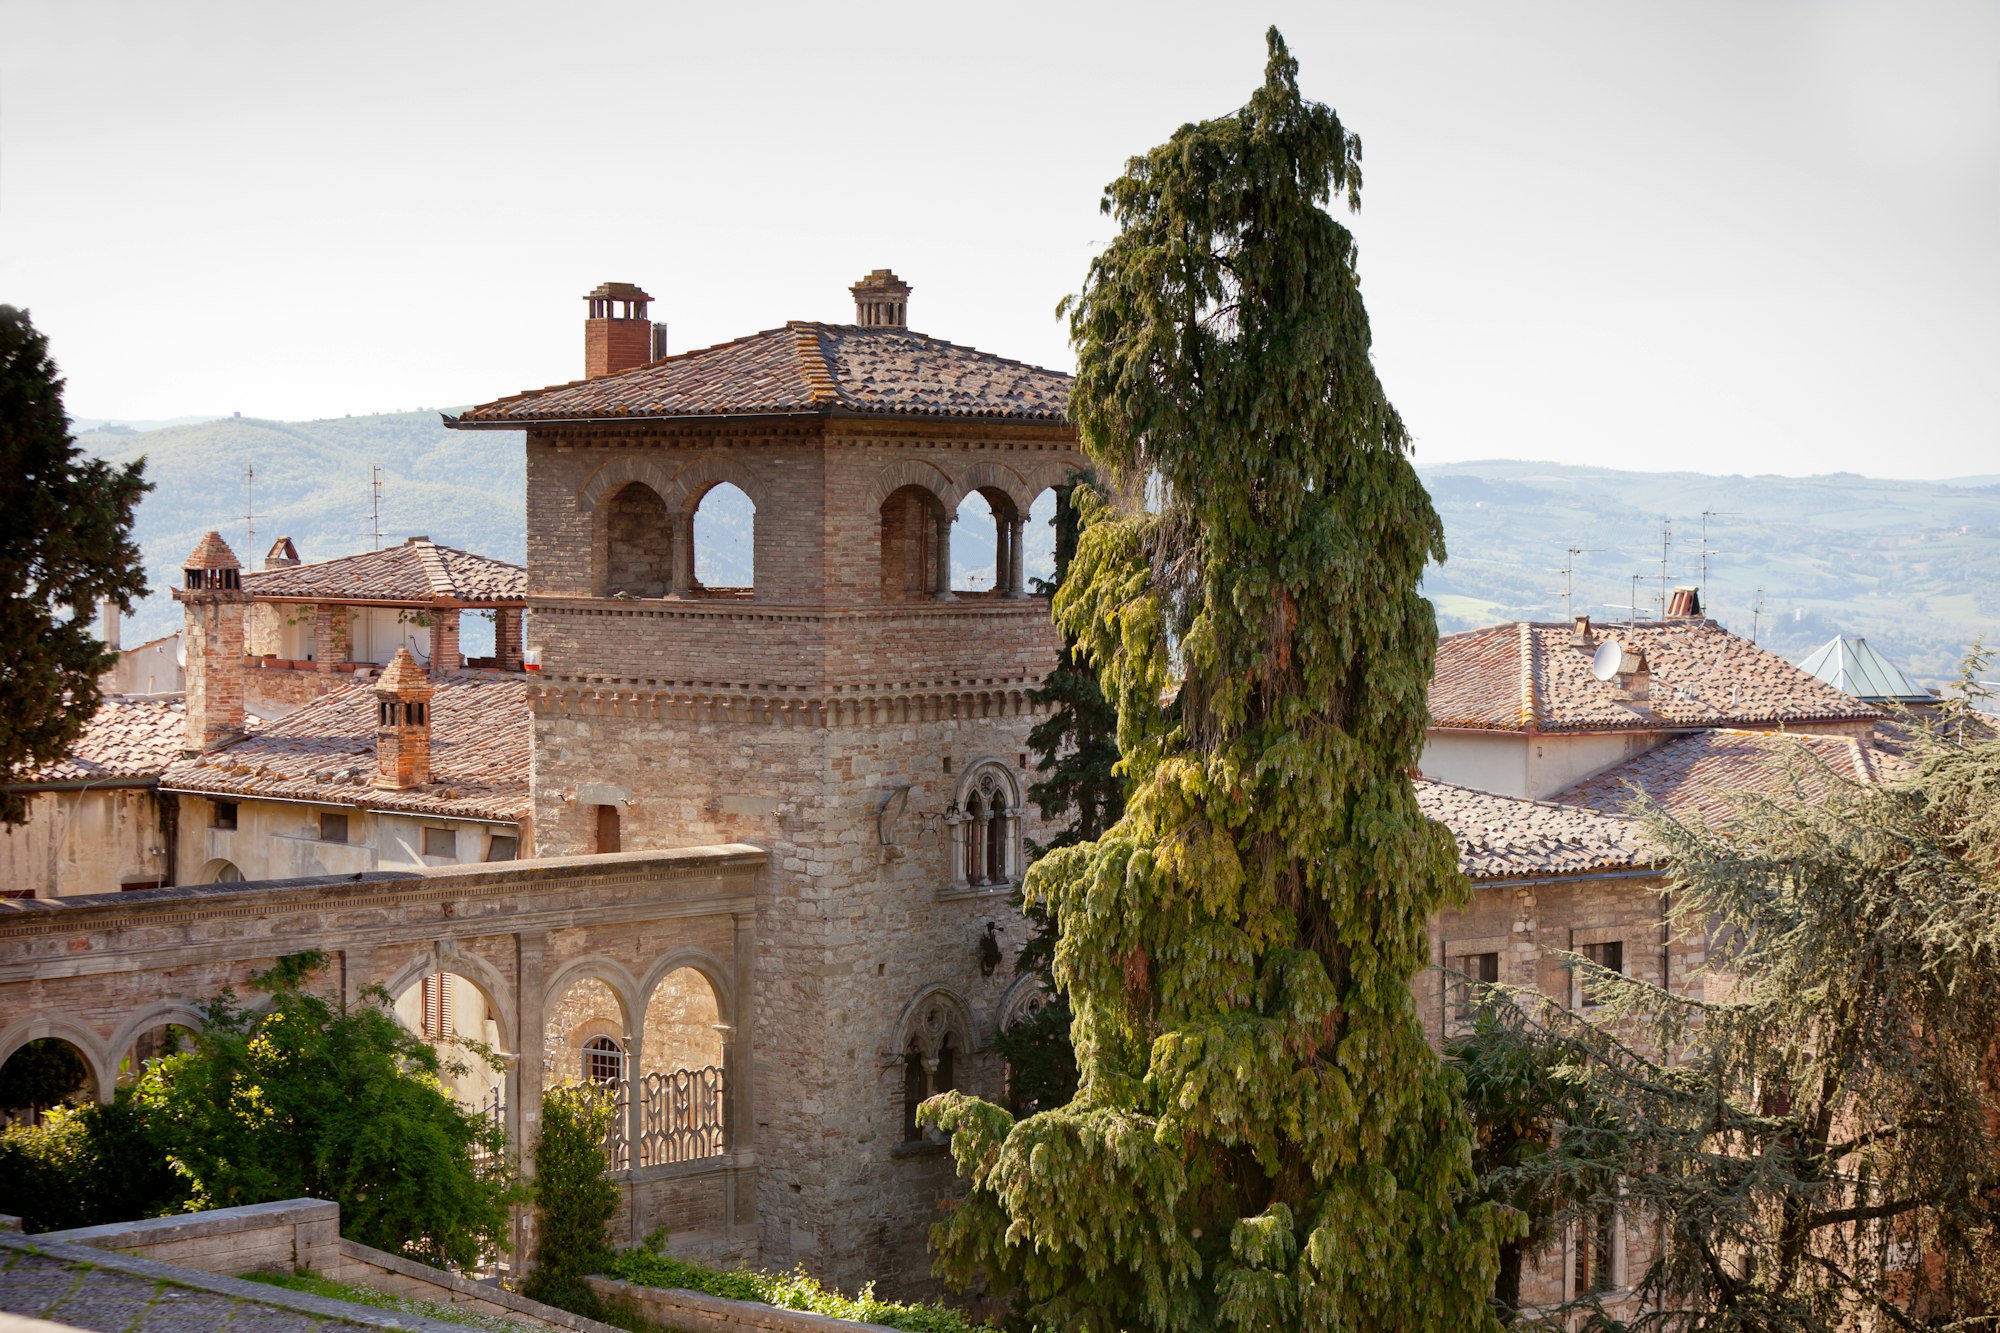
<point x="1568" y="571"/>
<point x="1632" y="610"/>
<point x="250" y="513"/>
<point x="1706" y="515"/>
<point x="1666" y="550"/>
<point x="1756" y="614"/>
<point x="375" y="504"/>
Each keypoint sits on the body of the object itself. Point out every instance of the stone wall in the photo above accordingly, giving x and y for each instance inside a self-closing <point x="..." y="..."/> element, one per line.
<point x="286" y="1237"/>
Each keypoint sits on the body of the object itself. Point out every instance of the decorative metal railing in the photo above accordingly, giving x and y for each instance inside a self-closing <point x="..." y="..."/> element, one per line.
<point x="494" y="1112"/>
<point x="681" y="1119"/>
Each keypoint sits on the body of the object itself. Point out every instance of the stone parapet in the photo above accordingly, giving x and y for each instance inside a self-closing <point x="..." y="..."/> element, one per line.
<point x="282" y="1237"/>
<point x="696" y="1313"/>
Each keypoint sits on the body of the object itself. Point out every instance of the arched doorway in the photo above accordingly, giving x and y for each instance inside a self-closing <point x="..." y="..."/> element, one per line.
<point x="461" y="1021"/>
<point x="39" y="1076"/>
<point x="681" y="1089"/>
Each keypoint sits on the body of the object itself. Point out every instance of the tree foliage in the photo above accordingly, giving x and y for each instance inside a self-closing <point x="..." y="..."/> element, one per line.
<point x="302" y="1099"/>
<point x="45" y="1072"/>
<point x="1081" y="794"/>
<point x="84" y="1166"/>
<point x="1261" y="1138"/>
<point x="576" y="1196"/>
<point x="1822" y="1151"/>
<point x="65" y="543"/>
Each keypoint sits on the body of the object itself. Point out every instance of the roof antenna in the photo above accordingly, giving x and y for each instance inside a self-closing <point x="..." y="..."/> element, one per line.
<point x="375" y="504"/>
<point x="1568" y="571"/>
<point x="1706" y="515"/>
<point x="1756" y="615"/>
<point x="250" y="512"/>
<point x="1666" y="549"/>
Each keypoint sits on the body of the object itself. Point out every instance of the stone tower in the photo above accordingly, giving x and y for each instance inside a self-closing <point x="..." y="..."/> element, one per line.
<point x="403" y="724"/>
<point x="212" y="639"/>
<point x="846" y="709"/>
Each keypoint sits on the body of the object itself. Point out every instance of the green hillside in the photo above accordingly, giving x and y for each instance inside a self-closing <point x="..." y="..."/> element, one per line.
<point x="1914" y="566"/>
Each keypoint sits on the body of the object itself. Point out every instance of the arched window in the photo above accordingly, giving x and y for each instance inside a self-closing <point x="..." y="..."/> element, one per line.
<point x="933" y="1034"/>
<point x="916" y="546"/>
<point x="1038" y="542"/>
<point x="987" y="556"/>
<point x="220" y="871"/>
<point x="638" y="543"/>
<point x="985" y="822"/>
<point x="724" y="536"/>
<point x="603" y="1061"/>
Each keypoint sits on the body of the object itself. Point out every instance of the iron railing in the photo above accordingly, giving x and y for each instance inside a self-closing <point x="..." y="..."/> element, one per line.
<point x="681" y="1119"/>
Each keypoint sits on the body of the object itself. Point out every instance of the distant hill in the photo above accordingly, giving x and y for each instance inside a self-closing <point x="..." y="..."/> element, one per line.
<point x="1913" y="566"/>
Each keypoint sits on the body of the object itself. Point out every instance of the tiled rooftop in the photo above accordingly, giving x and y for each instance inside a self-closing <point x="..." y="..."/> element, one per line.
<point x="326" y="752"/>
<point x="1505" y="837"/>
<point x="125" y="738"/>
<point x="417" y="571"/>
<point x="804" y="368"/>
<point x="1527" y="676"/>
<point x="1698" y="776"/>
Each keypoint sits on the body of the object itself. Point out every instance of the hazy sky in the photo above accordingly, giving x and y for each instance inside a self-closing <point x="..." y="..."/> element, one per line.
<point x="1739" y="236"/>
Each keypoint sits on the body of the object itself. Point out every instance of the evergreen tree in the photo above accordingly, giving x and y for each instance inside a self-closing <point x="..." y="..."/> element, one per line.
<point x="65" y="542"/>
<point x="1823" y="1150"/>
<point x="576" y="1195"/>
<point x="1261" y="1138"/>
<point x="1076" y="749"/>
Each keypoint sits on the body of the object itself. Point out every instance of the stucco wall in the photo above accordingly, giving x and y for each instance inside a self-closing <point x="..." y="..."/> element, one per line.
<point x="90" y="841"/>
<point x="1535" y="766"/>
<point x="280" y="840"/>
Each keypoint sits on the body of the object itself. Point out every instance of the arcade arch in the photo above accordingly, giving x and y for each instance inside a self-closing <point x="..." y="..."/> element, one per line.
<point x="916" y="545"/>
<point x="723" y="527"/>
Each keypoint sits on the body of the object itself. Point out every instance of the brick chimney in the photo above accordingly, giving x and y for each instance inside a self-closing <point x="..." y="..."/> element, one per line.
<point x="215" y="604"/>
<point x="403" y="724"/>
<point x="881" y="300"/>
<point x="282" y="555"/>
<point x="1685" y="604"/>
<point x="617" y="336"/>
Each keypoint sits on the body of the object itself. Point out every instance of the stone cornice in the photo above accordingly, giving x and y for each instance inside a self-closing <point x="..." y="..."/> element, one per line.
<point x="778" y="706"/>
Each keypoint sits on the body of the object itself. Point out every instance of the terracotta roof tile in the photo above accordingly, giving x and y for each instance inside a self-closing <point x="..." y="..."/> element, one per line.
<point x="803" y="367"/>
<point x="125" y="738"/>
<point x="1505" y="837"/>
<point x="417" y="571"/>
<point x="1699" y="775"/>
<point x="480" y="740"/>
<point x="211" y="552"/>
<point x="1527" y="676"/>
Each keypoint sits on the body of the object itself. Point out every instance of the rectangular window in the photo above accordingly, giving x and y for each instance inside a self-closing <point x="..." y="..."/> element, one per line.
<point x="222" y="814"/>
<point x="502" y="847"/>
<point x="132" y="884"/>
<point x="441" y="842"/>
<point x="1467" y="973"/>
<point x="1597" y="1252"/>
<point x="607" y="828"/>
<point x="1610" y="956"/>
<point x="437" y="1005"/>
<point x="332" y="827"/>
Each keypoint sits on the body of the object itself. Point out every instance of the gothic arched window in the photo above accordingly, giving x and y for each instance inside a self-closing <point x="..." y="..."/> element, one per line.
<point x="985" y="825"/>
<point x="933" y="1034"/>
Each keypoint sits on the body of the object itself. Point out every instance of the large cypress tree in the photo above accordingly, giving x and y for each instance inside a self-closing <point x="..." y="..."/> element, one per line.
<point x="1262" y="1139"/>
<point x="65" y="542"/>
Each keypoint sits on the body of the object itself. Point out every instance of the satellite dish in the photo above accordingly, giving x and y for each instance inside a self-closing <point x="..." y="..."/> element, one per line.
<point x="1609" y="657"/>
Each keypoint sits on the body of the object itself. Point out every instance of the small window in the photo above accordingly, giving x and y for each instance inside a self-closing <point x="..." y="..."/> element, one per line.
<point x="1472" y="970"/>
<point x="502" y="847"/>
<point x="1610" y="956"/>
<point x="332" y="827"/>
<point x="603" y="1060"/>
<point x="222" y="814"/>
<point x="131" y="884"/>
<point x="441" y="842"/>
<point x="608" y="833"/>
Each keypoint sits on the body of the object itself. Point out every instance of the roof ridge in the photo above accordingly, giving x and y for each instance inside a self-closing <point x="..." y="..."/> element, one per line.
<point x="1530" y="713"/>
<point x="821" y="388"/>
<point x="432" y="564"/>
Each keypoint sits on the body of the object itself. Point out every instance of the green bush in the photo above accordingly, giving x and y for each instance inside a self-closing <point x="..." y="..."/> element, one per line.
<point x="576" y="1195"/>
<point x="646" y="1266"/>
<point x="84" y="1166"/>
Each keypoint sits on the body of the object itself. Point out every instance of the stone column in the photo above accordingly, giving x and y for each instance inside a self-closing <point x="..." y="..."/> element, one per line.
<point x="680" y="548"/>
<point x="507" y="638"/>
<point x="941" y="576"/>
<point x="524" y="1076"/>
<point x="445" y="654"/>
<point x="1003" y="560"/>
<point x="1016" y="580"/>
<point x="635" y="1092"/>
<point x="741" y="1133"/>
<point x="331" y="646"/>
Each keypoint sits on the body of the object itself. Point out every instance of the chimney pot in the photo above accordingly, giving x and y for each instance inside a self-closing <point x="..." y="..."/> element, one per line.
<point x="881" y="300"/>
<point x="403" y="724"/>
<point x="1580" y="628"/>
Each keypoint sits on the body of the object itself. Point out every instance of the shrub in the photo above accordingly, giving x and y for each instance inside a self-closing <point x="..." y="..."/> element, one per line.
<point x="84" y="1166"/>
<point x="577" y="1198"/>
<point x="646" y="1266"/>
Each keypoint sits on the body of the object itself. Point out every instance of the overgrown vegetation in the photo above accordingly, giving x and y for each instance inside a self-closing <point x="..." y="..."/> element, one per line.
<point x="576" y="1196"/>
<point x="45" y="1073"/>
<point x="314" y="1285"/>
<point x="1821" y="1152"/>
<point x="298" y="1099"/>
<point x="648" y="1266"/>
<point x="1261" y="1137"/>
